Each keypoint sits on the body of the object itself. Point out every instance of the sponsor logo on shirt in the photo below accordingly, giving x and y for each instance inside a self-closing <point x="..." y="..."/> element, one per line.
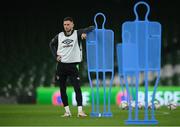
<point x="67" y="43"/>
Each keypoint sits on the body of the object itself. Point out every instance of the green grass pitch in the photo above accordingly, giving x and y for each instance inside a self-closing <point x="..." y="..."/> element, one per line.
<point x="48" y="115"/>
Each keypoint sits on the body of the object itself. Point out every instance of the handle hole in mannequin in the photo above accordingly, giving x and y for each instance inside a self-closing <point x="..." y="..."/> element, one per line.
<point x="99" y="20"/>
<point x="141" y="11"/>
<point x="136" y="8"/>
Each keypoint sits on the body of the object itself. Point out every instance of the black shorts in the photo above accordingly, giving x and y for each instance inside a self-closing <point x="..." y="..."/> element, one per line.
<point x="67" y="70"/>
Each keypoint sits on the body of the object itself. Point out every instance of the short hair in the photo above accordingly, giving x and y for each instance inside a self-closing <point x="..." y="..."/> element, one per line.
<point x="68" y="19"/>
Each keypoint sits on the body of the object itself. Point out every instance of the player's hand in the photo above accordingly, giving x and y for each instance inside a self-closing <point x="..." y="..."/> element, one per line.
<point x="83" y="36"/>
<point x="58" y="58"/>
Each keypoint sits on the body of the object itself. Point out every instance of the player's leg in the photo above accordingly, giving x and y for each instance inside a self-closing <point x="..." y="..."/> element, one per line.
<point x="75" y="80"/>
<point x="61" y="79"/>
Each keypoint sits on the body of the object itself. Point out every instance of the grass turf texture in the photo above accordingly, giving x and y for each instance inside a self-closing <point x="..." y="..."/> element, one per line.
<point x="48" y="115"/>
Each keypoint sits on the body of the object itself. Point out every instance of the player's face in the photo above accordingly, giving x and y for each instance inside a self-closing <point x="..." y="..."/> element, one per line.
<point x="68" y="26"/>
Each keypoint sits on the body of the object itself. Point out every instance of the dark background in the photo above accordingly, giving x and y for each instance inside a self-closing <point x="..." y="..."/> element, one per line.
<point x="26" y="28"/>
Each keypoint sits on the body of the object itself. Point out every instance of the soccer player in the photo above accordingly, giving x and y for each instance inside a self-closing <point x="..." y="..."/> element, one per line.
<point x="66" y="49"/>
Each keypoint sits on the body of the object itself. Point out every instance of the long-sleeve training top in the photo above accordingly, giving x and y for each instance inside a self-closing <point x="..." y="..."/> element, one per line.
<point x="68" y="46"/>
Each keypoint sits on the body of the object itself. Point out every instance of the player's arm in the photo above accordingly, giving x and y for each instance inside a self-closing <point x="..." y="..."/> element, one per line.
<point x="82" y="32"/>
<point x="53" y="46"/>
